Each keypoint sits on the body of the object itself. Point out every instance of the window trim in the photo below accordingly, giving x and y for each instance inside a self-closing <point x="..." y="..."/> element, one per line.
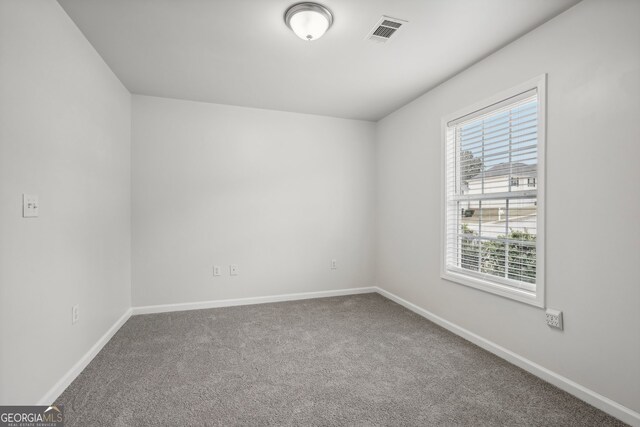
<point x="536" y="298"/>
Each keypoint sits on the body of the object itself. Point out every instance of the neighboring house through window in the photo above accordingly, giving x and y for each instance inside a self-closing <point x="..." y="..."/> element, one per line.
<point x="493" y="226"/>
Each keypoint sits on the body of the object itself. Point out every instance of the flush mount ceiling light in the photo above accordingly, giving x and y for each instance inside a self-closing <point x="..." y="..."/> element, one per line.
<point x="308" y="20"/>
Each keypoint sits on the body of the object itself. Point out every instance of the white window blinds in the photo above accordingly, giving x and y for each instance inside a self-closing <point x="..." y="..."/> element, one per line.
<point x="491" y="195"/>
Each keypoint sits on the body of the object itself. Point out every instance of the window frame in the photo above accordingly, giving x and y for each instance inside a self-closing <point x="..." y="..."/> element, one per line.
<point x="495" y="285"/>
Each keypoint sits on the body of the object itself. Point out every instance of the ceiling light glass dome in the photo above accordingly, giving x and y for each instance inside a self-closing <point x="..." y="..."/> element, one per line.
<point x="309" y="21"/>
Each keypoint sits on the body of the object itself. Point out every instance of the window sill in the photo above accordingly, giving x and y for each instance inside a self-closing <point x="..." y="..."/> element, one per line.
<point x="520" y="295"/>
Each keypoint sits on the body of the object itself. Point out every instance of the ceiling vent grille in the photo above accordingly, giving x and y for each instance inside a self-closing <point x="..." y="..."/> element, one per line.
<point x="385" y="29"/>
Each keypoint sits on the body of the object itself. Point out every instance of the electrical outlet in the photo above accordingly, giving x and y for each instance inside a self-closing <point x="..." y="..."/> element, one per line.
<point x="75" y="314"/>
<point x="554" y="318"/>
<point x="216" y="270"/>
<point x="233" y="270"/>
<point x="334" y="264"/>
<point x="30" y="206"/>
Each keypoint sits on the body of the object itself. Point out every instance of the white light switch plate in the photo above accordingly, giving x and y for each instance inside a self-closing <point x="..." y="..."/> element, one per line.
<point x="216" y="270"/>
<point x="233" y="270"/>
<point x="29" y="205"/>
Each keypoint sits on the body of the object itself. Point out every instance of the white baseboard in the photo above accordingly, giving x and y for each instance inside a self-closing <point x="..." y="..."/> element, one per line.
<point x="591" y="397"/>
<point x="601" y="402"/>
<point x="71" y="375"/>
<point x="248" y="301"/>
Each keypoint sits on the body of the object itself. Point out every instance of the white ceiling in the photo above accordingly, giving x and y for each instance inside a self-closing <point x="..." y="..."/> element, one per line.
<point x="240" y="52"/>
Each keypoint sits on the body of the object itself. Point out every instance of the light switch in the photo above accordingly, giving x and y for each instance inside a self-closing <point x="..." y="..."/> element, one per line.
<point x="29" y="205"/>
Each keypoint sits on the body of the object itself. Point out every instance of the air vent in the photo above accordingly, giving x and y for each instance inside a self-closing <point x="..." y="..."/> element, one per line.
<point x="385" y="29"/>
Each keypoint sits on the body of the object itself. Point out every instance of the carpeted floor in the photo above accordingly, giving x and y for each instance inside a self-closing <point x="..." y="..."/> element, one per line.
<point x="355" y="360"/>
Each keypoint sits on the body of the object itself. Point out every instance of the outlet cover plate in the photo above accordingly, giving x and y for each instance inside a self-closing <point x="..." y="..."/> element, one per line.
<point x="233" y="270"/>
<point x="75" y="314"/>
<point x="554" y="318"/>
<point x="30" y="205"/>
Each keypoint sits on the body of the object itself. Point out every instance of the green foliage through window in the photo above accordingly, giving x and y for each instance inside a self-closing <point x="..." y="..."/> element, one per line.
<point x="514" y="257"/>
<point x="471" y="166"/>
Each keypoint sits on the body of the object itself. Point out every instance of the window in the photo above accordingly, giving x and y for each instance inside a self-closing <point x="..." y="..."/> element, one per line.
<point x="492" y="223"/>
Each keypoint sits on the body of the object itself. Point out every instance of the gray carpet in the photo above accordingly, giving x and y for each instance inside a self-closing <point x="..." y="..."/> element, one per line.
<point x="356" y="360"/>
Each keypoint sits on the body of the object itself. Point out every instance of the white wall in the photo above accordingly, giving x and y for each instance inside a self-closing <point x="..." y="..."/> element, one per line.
<point x="280" y="194"/>
<point x="64" y="135"/>
<point x="591" y="56"/>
